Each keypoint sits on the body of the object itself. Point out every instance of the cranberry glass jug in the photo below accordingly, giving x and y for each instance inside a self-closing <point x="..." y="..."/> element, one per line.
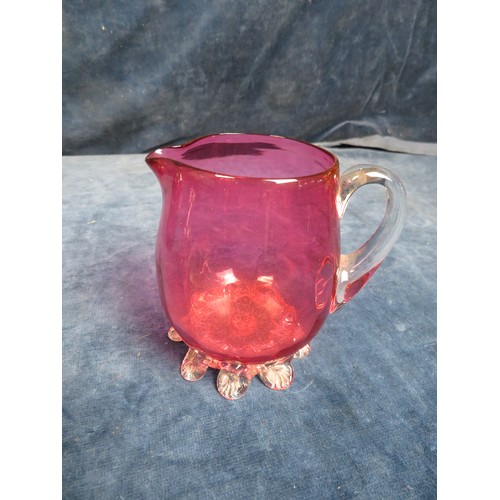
<point x="248" y="251"/>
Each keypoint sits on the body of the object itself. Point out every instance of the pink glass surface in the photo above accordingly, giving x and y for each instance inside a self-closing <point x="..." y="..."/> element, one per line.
<point x="248" y="244"/>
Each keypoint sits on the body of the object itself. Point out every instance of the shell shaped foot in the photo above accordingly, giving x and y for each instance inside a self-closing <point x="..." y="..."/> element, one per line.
<point x="232" y="385"/>
<point x="173" y="335"/>
<point x="193" y="366"/>
<point x="277" y="377"/>
<point x="302" y="353"/>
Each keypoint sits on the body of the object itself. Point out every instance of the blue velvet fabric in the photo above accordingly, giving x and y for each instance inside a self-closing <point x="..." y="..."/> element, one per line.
<point x="139" y="74"/>
<point x="359" y="420"/>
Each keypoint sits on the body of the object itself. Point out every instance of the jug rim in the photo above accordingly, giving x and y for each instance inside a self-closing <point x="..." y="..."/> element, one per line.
<point x="158" y="153"/>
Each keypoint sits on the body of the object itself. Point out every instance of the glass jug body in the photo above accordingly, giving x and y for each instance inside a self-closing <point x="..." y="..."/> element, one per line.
<point x="248" y="245"/>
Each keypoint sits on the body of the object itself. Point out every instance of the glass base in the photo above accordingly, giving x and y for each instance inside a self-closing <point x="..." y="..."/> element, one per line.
<point x="234" y="377"/>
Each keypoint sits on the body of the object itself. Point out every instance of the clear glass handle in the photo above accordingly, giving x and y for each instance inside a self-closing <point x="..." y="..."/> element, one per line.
<point x="357" y="267"/>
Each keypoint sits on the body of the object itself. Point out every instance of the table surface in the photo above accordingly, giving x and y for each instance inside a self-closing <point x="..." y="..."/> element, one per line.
<point x="359" y="420"/>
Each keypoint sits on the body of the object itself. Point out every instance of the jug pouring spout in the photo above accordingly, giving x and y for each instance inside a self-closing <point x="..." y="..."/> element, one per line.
<point x="163" y="162"/>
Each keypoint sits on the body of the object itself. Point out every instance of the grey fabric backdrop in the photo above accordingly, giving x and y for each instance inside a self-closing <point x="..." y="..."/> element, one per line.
<point x="141" y="74"/>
